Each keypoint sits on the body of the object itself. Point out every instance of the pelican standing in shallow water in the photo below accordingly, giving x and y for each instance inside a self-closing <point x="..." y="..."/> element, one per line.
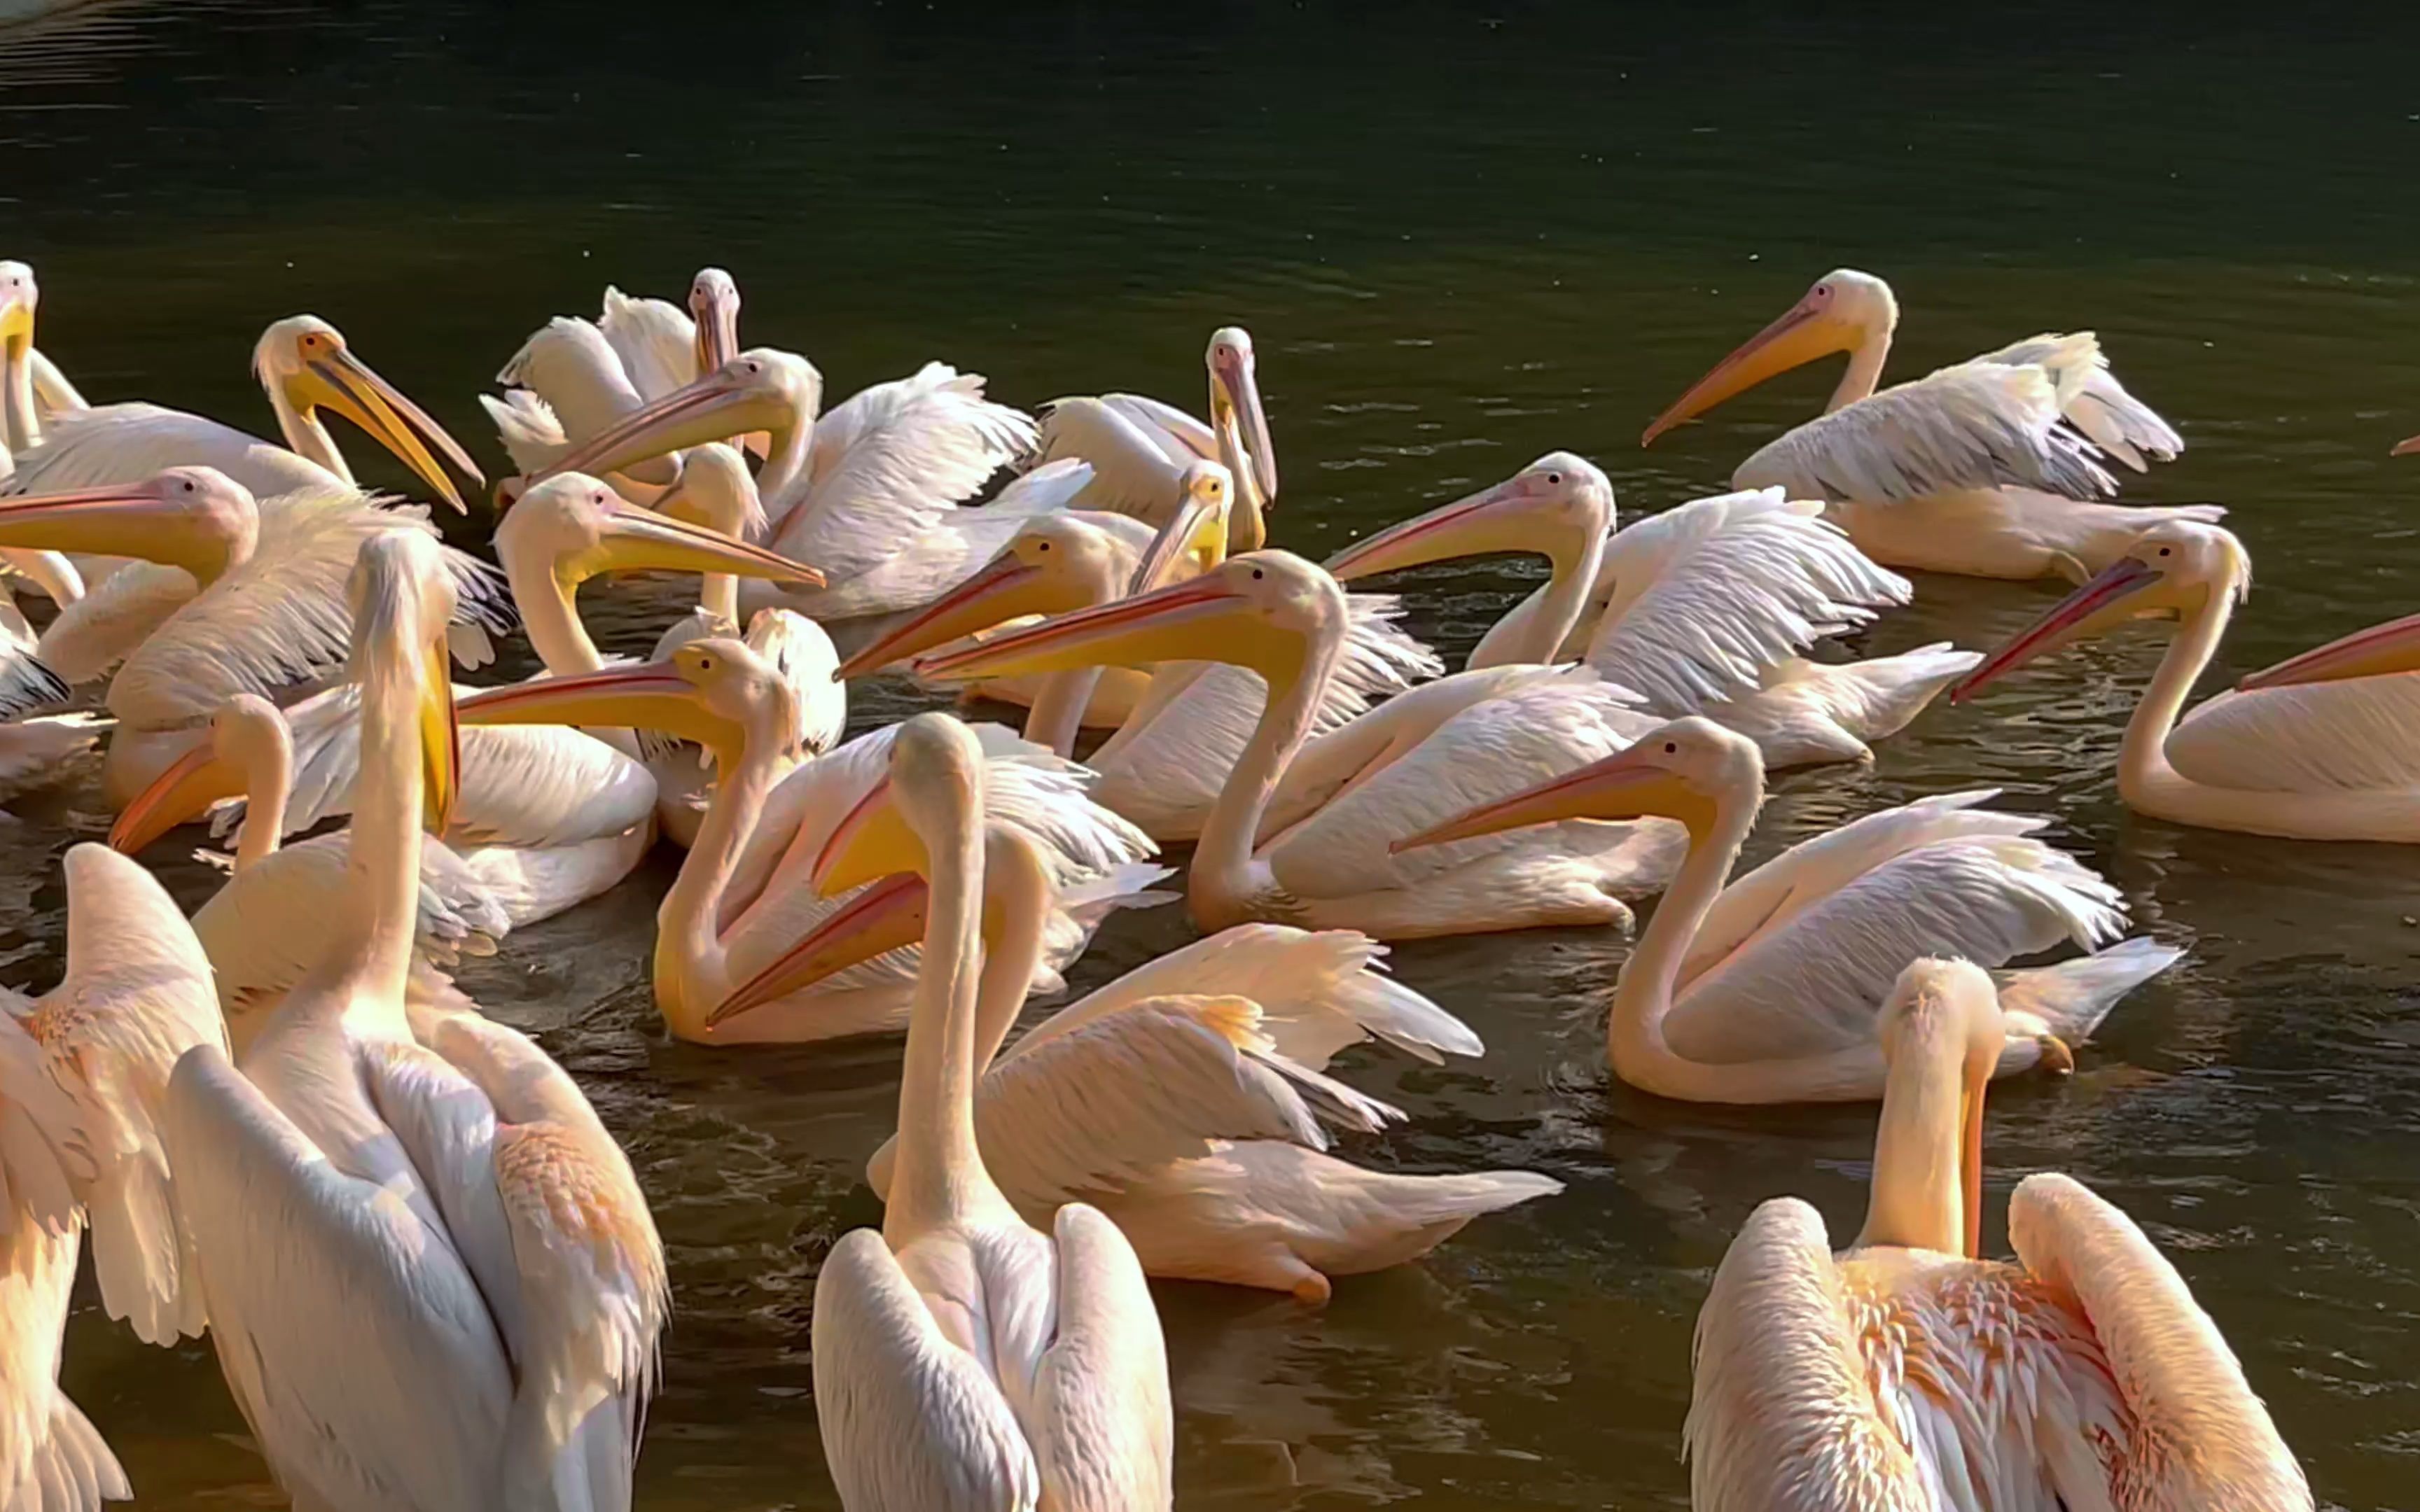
<point x="1140" y="448"/>
<point x="1185" y="1099"/>
<point x="428" y="1195"/>
<point x="1906" y="1374"/>
<point x="964" y="1361"/>
<point x="1764" y="991"/>
<point x="1990" y="468"/>
<point x="2319" y="749"/>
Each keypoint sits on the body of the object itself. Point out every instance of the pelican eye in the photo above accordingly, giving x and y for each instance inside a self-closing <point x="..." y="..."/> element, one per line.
<point x="1258" y="574"/>
<point x="1043" y="546"/>
<point x="1554" y="480"/>
<point x="1671" y="748"/>
<point x="2163" y="550"/>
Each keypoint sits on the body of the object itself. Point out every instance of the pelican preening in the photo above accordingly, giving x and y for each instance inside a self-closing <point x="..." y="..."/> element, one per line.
<point x="1992" y="468"/>
<point x="1909" y="1373"/>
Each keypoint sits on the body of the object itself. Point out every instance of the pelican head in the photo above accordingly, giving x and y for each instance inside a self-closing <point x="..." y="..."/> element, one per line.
<point x="1560" y="498"/>
<point x="18" y="299"/>
<point x="1055" y="563"/>
<point x="579" y="528"/>
<point x="2171" y="571"/>
<point x="193" y="517"/>
<point x="714" y="305"/>
<point x="715" y="489"/>
<point x="1942" y="1034"/>
<point x="249" y="749"/>
<point x="1264" y="610"/>
<point x="760" y="389"/>
<point x="1236" y="397"/>
<point x="403" y="600"/>
<point x="935" y="784"/>
<point x="1844" y="309"/>
<point x="1205" y="503"/>
<point x="303" y="362"/>
<point x="1684" y="770"/>
<point x="715" y="691"/>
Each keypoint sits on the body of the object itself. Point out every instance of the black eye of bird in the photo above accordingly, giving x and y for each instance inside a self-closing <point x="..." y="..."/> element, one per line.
<point x="1554" y="477"/>
<point x="1045" y="546"/>
<point x="1671" y="748"/>
<point x="2163" y="550"/>
<point x="1257" y="574"/>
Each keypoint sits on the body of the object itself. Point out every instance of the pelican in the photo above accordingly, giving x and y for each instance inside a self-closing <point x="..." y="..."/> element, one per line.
<point x="1703" y="608"/>
<point x="1764" y="991"/>
<point x="1183" y="1100"/>
<point x="305" y="366"/>
<point x="2288" y="755"/>
<point x="964" y="1360"/>
<point x="1334" y="804"/>
<point x="444" y="1203"/>
<point x="865" y="492"/>
<point x="82" y="1073"/>
<point x="246" y="597"/>
<point x="1138" y="447"/>
<point x="1909" y="1373"/>
<point x="737" y="903"/>
<point x="32" y="388"/>
<point x="47" y="750"/>
<point x="270" y="923"/>
<point x="1991" y="468"/>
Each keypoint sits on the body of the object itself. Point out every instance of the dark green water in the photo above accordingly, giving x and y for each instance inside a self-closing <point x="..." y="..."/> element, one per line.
<point x="1460" y="241"/>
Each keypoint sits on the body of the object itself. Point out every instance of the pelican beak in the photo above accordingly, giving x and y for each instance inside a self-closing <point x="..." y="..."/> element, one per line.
<point x="1204" y="620"/>
<point x="1970" y="1164"/>
<point x="1807" y="331"/>
<point x="2378" y="652"/>
<point x="441" y="739"/>
<point x="17" y="324"/>
<point x="2405" y="447"/>
<point x="717" y="314"/>
<point x="1623" y="786"/>
<point x="1005" y="589"/>
<point x="652" y="696"/>
<point x="719" y="406"/>
<point x="124" y="519"/>
<point x="343" y="383"/>
<point x="1198" y="531"/>
<point x="881" y="918"/>
<point x="190" y="784"/>
<point x="1484" y="522"/>
<point x="871" y="840"/>
<point x="1237" y="387"/>
<point x="2105" y="601"/>
<point x="640" y="540"/>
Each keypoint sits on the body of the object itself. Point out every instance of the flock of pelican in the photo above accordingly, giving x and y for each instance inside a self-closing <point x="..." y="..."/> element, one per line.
<point x="430" y="1273"/>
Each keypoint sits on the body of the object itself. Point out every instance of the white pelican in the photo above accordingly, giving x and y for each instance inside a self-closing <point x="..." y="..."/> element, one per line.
<point x="246" y="597"/>
<point x="2286" y="755"/>
<point x="82" y="1071"/>
<point x="32" y="388"/>
<point x="1389" y="773"/>
<point x="739" y="901"/>
<point x="964" y="1361"/>
<point x="867" y="492"/>
<point x="1138" y="447"/>
<point x="431" y="1278"/>
<point x="1764" y="991"/>
<point x="1991" y="468"/>
<point x="1907" y="1373"/>
<point x="1703" y="608"/>
<point x="1183" y="1100"/>
<point x="305" y="367"/>
<point x="270" y="923"/>
<point x="48" y="750"/>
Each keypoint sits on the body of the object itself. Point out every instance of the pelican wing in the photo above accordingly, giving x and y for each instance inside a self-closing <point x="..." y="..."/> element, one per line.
<point x="1180" y="433"/>
<point x="2094" y="402"/>
<point x="2203" y="1438"/>
<point x="45" y="1148"/>
<point x="1103" y="1429"/>
<point x="568" y="363"/>
<point x="282" y="617"/>
<point x="908" y="1418"/>
<point x="1782" y="1416"/>
<point x="129" y="442"/>
<point x="803" y="655"/>
<point x="308" y="1273"/>
<point x="2348" y="736"/>
<point x="1810" y="980"/>
<point x="1135" y="465"/>
<point x="1979" y="424"/>
<point x="136" y="997"/>
<point x="655" y="340"/>
<point x="528" y="426"/>
<point x="1712" y="594"/>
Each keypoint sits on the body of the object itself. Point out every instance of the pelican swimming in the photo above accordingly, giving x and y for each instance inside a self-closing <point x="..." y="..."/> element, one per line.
<point x="1908" y="1373"/>
<point x="1139" y="448"/>
<point x="2285" y="755"/>
<point x="82" y="1068"/>
<point x="963" y="1360"/>
<point x="431" y="1195"/>
<point x="238" y="596"/>
<point x="1764" y="991"/>
<point x="305" y="367"/>
<point x="1185" y="1099"/>
<point x="741" y="900"/>
<point x="1704" y="608"/>
<point x="1991" y="468"/>
<point x="270" y="923"/>
<point x="1333" y="804"/>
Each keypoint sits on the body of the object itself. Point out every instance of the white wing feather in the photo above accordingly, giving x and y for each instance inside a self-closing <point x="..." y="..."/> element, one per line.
<point x="656" y="341"/>
<point x="129" y="442"/>
<point x="1135" y="465"/>
<point x="2099" y="406"/>
<point x="2348" y="736"/>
